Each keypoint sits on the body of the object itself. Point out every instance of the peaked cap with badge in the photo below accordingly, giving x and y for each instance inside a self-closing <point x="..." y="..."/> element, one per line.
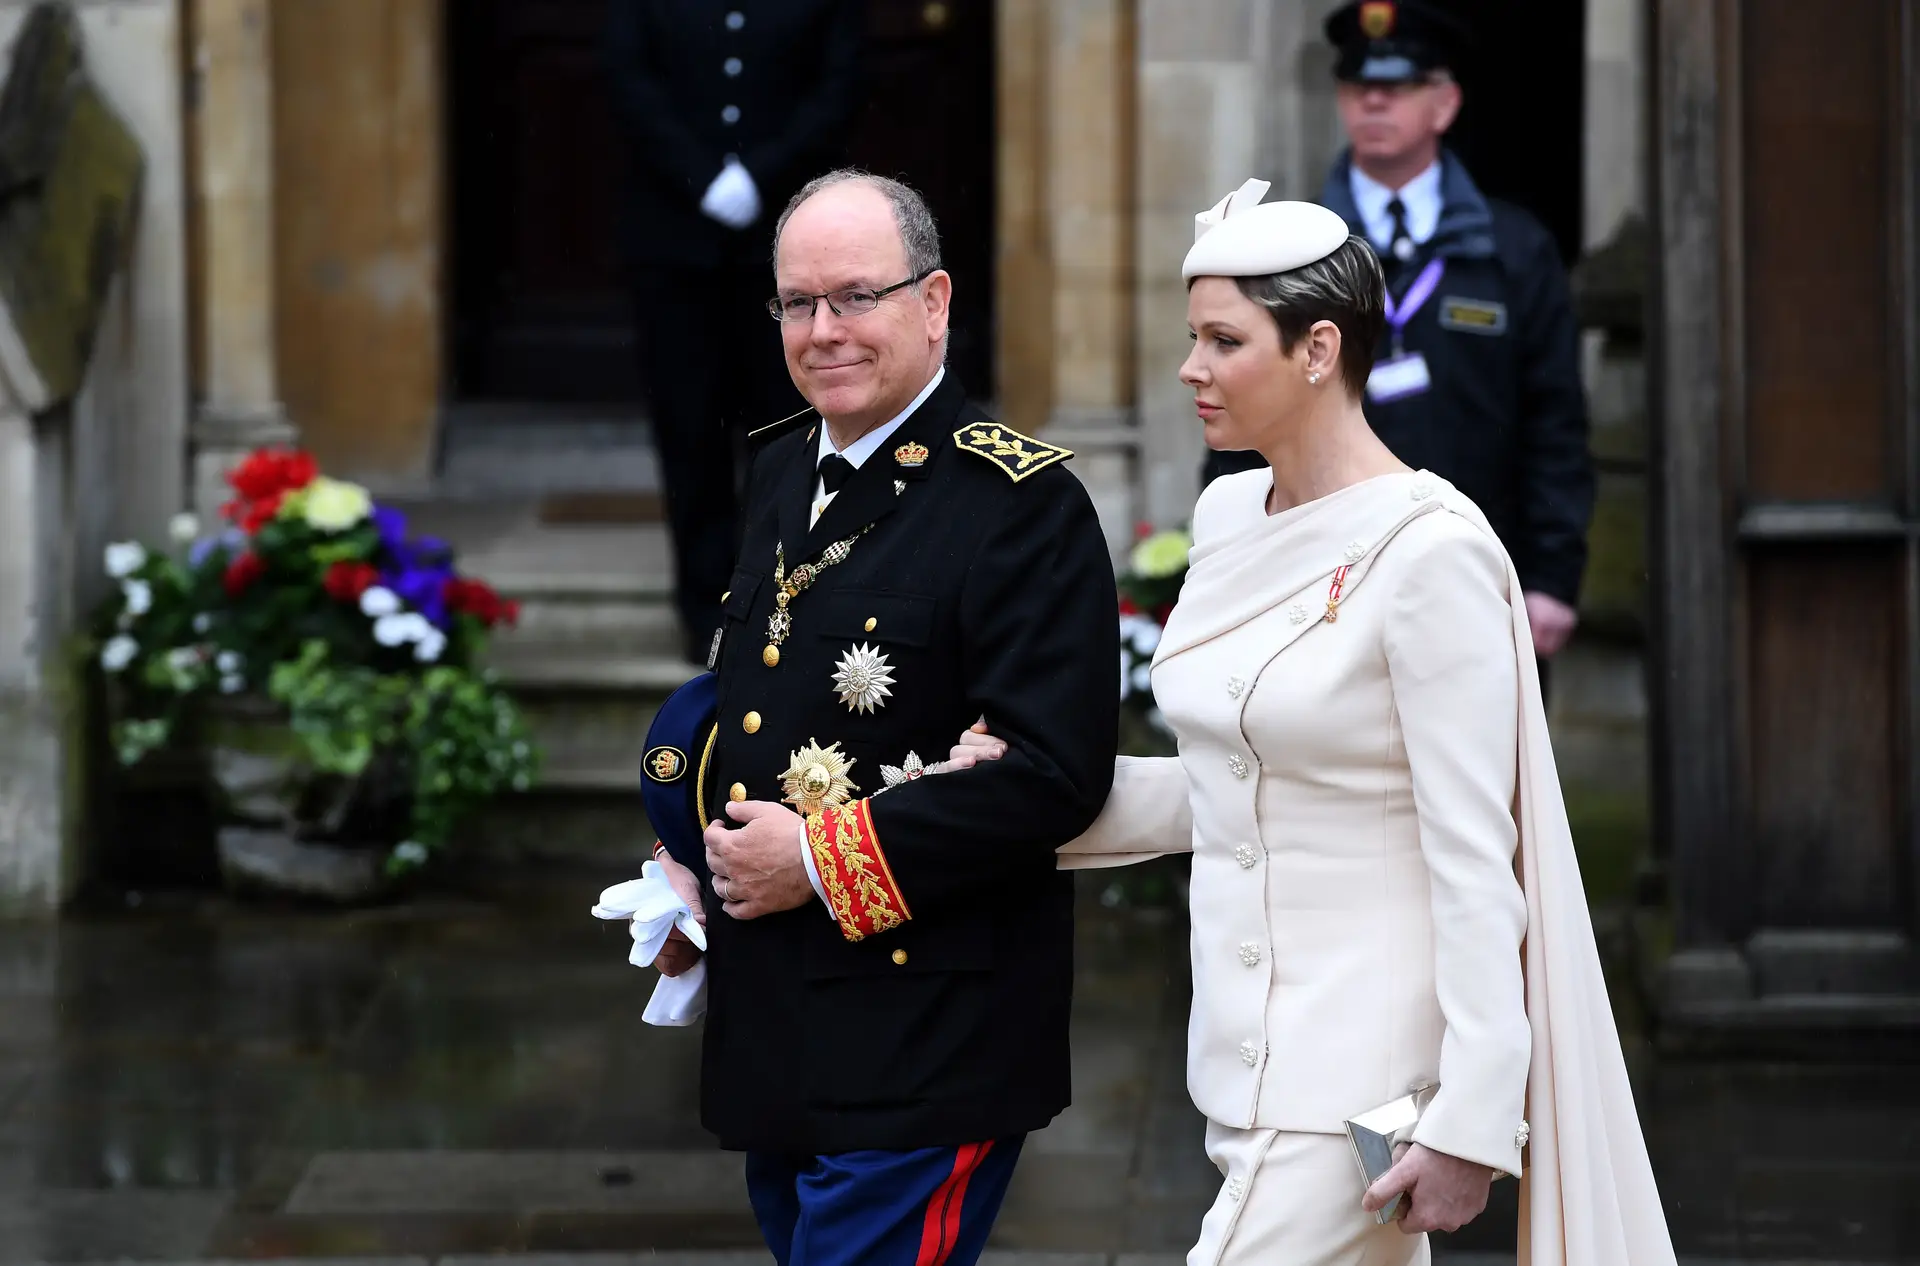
<point x="959" y="572"/>
<point x="1393" y="41"/>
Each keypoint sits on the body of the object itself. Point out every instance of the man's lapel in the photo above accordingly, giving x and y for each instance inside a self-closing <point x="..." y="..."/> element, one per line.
<point x="870" y="495"/>
<point x="795" y="496"/>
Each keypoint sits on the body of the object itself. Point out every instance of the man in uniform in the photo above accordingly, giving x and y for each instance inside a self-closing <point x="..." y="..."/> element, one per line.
<point x="727" y="108"/>
<point x="1478" y="379"/>
<point x="889" y="945"/>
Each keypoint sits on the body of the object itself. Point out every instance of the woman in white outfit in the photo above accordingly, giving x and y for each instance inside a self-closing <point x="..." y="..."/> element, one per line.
<point x="1384" y="890"/>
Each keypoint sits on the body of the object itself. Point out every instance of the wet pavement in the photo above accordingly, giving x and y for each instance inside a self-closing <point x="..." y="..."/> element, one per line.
<point x="186" y="1079"/>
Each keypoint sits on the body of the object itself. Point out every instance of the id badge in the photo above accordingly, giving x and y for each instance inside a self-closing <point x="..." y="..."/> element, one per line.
<point x="1398" y="377"/>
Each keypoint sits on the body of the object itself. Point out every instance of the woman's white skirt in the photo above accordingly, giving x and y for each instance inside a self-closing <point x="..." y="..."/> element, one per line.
<point x="1293" y="1198"/>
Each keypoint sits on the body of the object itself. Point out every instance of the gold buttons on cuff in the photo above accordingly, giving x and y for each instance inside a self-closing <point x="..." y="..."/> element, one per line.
<point x="750" y="723"/>
<point x="737" y="792"/>
<point x="870" y="623"/>
<point x="900" y="958"/>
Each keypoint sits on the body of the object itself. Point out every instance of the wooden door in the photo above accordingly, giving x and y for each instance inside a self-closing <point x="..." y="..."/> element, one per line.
<point x="929" y="120"/>
<point x="1789" y="536"/>
<point x="542" y="311"/>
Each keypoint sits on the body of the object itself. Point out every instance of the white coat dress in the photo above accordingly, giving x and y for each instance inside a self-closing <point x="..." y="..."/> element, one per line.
<point x="1384" y="890"/>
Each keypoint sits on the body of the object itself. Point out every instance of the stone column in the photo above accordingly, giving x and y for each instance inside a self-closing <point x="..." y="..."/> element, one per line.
<point x="233" y="121"/>
<point x="1066" y="222"/>
<point x="1228" y="89"/>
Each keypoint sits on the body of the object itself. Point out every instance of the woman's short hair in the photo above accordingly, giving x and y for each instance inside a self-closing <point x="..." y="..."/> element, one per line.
<point x="1346" y="288"/>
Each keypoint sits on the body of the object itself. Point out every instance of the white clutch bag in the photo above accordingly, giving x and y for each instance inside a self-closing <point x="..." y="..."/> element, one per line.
<point x="1375" y="1134"/>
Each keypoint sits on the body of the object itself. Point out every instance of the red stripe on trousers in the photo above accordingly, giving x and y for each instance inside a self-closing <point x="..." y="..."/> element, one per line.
<point x="941" y="1231"/>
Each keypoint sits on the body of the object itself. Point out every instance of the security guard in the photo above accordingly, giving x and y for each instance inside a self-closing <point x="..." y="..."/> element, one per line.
<point x="1478" y="379"/>
<point x="890" y="946"/>
<point x="728" y="106"/>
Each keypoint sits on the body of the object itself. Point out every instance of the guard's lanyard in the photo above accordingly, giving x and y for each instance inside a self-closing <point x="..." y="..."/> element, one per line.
<point x="1398" y="314"/>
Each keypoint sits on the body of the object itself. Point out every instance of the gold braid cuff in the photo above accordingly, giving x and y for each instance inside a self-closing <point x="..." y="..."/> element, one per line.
<point x="861" y="891"/>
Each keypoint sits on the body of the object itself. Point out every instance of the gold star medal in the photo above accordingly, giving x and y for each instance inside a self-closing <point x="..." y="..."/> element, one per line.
<point x="816" y="778"/>
<point x="862" y="679"/>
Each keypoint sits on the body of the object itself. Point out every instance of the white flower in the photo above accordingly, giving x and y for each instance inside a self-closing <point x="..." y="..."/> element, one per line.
<point x="232" y="685"/>
<point x="182" y="658"/>
<point x="228" y="662"/>
<point x="333" y="505"/>
<point x="118" y="653"/>
<point x="183" y="527"/>
<point x="412" y="851"/>
<point x="379" y="600"/>
<point x="125" y="558"/>
<point x="202" y="622"/>
<point x="1140" y="632"/>
<point x="139" y="596"/>
<point x="1143" y="677"/>
<point x="400" y="628"/>
<point x="1126" y="672"/>
<point x="431" y="643"/>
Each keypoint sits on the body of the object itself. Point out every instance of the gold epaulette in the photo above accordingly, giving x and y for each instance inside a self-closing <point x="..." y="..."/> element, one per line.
<point x="1019" y="455"/>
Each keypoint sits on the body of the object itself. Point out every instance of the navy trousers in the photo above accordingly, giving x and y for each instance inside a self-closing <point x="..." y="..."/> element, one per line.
<point x="928" y="1207"/>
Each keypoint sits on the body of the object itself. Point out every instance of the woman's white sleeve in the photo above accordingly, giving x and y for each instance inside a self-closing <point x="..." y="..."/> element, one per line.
<point x="1147" y="815"/>
<point x="1452" y="662"/>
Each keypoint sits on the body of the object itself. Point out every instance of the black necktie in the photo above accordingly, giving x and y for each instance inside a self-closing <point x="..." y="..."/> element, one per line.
<point x="1402" y="243"/>
<point x="835" y="470"/>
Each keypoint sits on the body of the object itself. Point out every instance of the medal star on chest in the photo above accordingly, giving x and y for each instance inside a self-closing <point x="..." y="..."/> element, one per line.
<point x="863" y="679"/>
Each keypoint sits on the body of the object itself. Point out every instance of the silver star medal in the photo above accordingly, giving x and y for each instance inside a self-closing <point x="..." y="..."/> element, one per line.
<point x="908" y="770"/>
<point x="862" y="679"/>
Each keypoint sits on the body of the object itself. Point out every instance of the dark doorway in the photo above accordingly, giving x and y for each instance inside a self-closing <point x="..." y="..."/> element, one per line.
<point x="540" y="311"/>
<point x="929" y="120"/>
<point x="540" y="304"/>
<point x="1521" y="131"/>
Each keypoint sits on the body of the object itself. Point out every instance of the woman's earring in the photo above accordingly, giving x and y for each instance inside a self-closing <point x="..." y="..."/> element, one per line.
<point x="1314" y="377"/>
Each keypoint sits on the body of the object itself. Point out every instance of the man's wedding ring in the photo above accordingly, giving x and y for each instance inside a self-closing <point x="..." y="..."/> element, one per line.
<point x="718" y="891"/>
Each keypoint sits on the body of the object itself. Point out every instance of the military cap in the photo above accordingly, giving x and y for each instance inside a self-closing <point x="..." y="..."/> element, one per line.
<point x="1393" y="41"/>
<point x="674" y="768"/>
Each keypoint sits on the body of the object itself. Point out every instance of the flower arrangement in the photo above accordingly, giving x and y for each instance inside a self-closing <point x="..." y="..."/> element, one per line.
<point x="317" y="600"/>
<point x="1148" y="589"/>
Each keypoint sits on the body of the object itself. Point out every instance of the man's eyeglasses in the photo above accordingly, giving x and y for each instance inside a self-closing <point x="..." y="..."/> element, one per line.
<point x="851" y="301"/>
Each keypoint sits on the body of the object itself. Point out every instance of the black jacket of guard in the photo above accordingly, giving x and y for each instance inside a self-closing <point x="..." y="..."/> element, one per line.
<point x="1505" y="420"/>
<point x="989" y="597"/>
<point x="796" y="88"/>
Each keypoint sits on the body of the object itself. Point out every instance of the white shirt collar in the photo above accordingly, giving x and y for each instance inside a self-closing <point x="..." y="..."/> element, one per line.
<point x="1420" y="196"/>
<point x="867" y="445"/>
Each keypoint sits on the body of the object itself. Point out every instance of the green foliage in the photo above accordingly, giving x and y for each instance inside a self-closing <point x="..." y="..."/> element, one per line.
<point x="456" y="737"/>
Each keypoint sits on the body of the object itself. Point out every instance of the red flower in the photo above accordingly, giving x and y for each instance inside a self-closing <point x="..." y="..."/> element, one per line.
<point x="478" y="599"/>
<point x="1162" y="614"/>
<point x="1142" y="530"/>
<point x="261" y="512"/>
<point x="242" y="572"/>
<point x="346" y="581"/>
<point x="1128" y="606"/>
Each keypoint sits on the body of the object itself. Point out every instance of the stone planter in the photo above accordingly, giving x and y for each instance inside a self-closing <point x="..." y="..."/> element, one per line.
<point x="291" y="830"/>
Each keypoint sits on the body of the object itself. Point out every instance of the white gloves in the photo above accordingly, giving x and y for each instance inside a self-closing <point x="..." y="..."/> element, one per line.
<point x="656" y="910"/>
<point x="732" y="198"/>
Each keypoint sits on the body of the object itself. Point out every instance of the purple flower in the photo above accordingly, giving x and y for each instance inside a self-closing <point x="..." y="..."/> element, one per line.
<point x="228" y="541"/>
<point x="391" y="525"/>
<point x="423" y="589"/>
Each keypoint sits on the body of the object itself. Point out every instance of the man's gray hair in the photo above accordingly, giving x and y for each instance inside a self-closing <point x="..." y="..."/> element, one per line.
<point x="1346" y="288"/>
<point x="918" y="233"/>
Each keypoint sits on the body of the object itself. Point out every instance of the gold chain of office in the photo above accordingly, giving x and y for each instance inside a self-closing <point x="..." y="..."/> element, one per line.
<point x="780" y="623"/>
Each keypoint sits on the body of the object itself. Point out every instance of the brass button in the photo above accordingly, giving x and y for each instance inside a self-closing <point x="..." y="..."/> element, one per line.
<point x="900" y="958"/>
<point x="750" y="723"/>
<point x="771" y="656"/>
<point x="726" y="595"/>
<point x="737" y="792"/>
<point x="870" y="623"/>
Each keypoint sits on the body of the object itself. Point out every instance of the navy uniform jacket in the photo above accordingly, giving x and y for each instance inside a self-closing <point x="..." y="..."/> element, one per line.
<point x="930" y="1005"/>
<point x="1505" y="420"/>
<point x="771" y="82"/>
